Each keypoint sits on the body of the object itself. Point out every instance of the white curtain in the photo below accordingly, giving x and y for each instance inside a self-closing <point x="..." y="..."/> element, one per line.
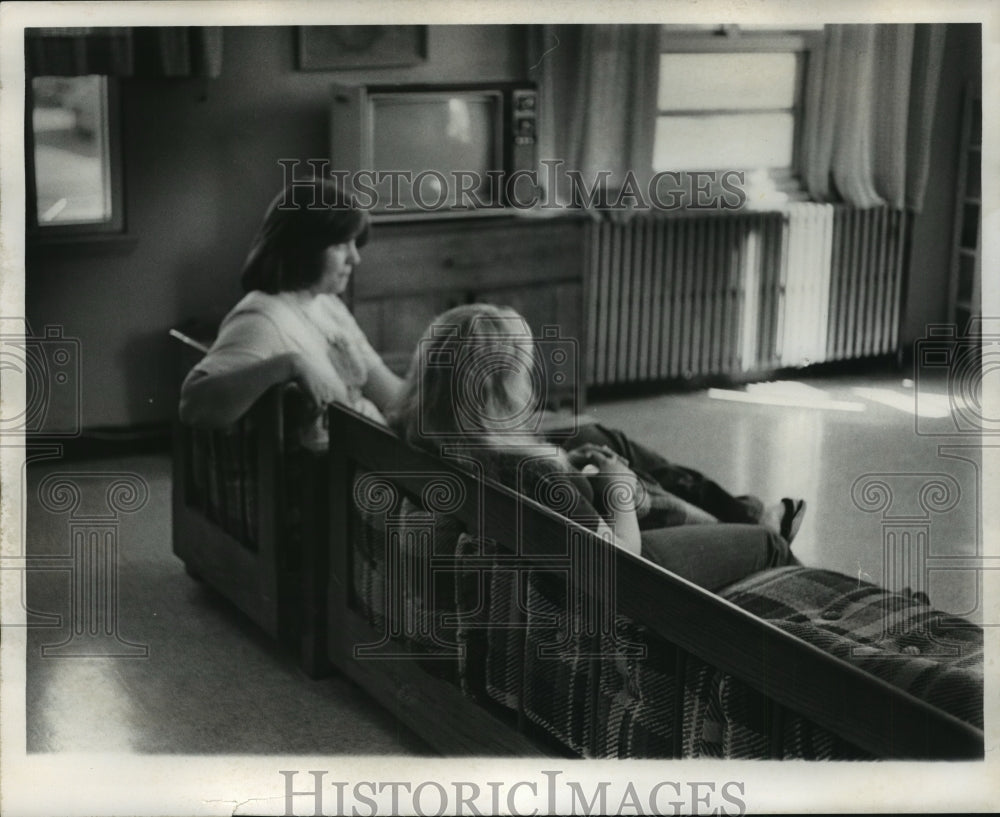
<point x="597" y="100"/>
<point x="145" y="51"/>
<point x="867" y="130"/>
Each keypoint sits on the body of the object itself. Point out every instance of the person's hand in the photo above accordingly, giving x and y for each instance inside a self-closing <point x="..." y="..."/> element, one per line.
<point x="318" y="389"/>
<point x="615" y="485"/>
<point x="601" y="458"/>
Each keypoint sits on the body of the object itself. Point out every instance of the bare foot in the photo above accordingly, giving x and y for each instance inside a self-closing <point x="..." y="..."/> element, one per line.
<point x="784" y="518"/>
<point x="772" y="516"/>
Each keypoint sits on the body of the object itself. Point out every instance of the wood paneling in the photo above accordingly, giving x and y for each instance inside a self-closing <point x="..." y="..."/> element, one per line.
<point x="468" y="255"/>
<point x="412" y="272"/>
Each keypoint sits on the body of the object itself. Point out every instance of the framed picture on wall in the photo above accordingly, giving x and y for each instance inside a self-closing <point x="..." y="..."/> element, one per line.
<point x="329" y="48"/>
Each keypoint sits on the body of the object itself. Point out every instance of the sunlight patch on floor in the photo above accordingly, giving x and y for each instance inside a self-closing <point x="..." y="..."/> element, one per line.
<point x="931" y="406"/>
<point x="786" y="393"/>
<point x="921" y="403"/>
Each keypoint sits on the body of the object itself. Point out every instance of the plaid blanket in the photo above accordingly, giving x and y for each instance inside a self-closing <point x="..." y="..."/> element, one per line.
<point x="404" y="575"/>
<point x="897" y="636"/>
<point x="222" y="480"/>
<point x="224" y="483"/>
<point x="528" y="653"/>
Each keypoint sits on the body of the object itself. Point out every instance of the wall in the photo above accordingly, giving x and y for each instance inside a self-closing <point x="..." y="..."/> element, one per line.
<point x="931" y="257"/>
<point x="200" y="167"/>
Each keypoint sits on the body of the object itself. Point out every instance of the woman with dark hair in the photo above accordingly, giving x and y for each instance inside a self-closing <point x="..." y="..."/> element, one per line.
<point x="291" y="325"/>
<point x="483" y="406"/>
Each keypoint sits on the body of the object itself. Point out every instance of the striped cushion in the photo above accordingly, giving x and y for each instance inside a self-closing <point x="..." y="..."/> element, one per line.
<point x="395" y="589"/>
<point x="898" y="637"/>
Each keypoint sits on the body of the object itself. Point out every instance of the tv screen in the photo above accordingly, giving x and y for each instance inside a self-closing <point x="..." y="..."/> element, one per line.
<point x="449" y="133"/>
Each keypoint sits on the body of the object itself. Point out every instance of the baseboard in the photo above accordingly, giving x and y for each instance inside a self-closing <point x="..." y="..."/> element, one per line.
<point x="94" y="443"/>
<point x="882" y="364"/>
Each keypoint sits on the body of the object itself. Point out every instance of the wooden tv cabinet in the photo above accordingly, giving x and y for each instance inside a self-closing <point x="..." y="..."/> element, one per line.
<point x="413" y="271"/>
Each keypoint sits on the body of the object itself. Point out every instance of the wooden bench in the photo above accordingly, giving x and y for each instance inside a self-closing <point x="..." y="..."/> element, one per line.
<point x="284" y="548"/>
<point x="685" y="621"/>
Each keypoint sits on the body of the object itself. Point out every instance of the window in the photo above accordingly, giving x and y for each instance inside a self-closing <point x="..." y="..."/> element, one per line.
<point x="731" y="98"/>
<point x="73" y="160"/>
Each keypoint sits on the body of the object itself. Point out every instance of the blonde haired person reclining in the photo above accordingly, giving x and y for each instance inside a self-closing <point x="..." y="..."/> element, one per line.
<point x="490" y="413"/>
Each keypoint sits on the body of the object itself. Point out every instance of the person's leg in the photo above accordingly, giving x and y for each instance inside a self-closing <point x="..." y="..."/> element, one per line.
<point x="714" y="556"/>
<point x="685" y="483"/>
<point x="661" y="509"/>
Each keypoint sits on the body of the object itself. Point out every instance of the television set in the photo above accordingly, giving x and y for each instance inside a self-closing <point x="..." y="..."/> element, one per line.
<point x="417" y="151"/>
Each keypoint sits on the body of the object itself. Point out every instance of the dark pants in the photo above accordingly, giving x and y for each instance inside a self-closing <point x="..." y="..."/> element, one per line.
<point x="713" y="556"/>
<point x="685" y="483"/>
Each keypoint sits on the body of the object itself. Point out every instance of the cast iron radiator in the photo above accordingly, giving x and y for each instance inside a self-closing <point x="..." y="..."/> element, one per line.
<point x="674" y="296"/>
